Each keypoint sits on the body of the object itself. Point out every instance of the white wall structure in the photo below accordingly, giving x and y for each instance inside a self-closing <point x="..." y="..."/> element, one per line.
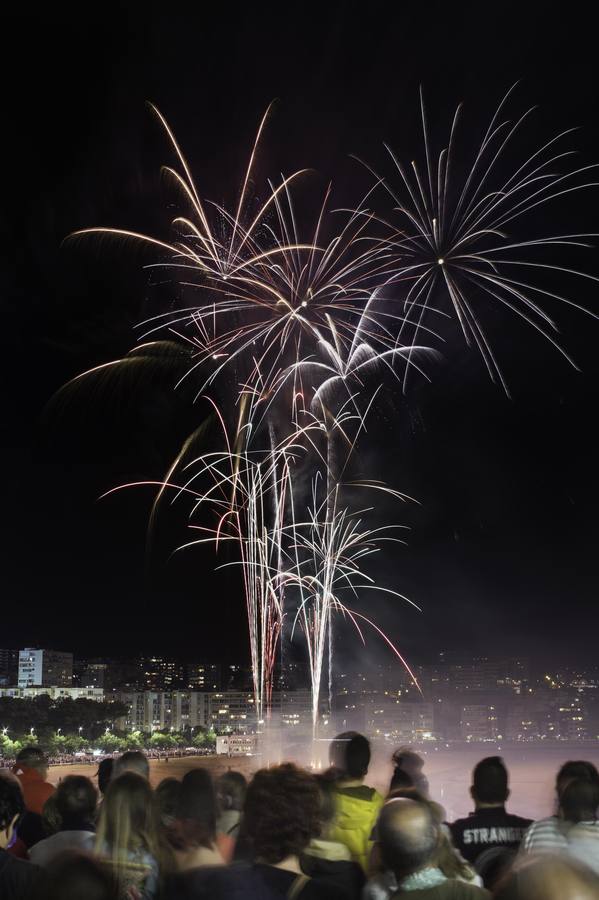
<point x="45" y="668"/>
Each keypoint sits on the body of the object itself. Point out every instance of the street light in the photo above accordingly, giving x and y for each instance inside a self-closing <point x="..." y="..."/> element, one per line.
<point x="80" y="729"/>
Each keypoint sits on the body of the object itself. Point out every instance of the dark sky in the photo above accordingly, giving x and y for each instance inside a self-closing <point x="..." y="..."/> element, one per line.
<point x="502" y="552"/>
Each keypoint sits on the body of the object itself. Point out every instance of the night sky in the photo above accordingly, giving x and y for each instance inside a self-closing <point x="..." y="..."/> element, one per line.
<point x="502" y="552"/>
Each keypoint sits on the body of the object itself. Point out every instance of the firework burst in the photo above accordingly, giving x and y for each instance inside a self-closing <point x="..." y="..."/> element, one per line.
<point x="456" y="235"/>
<point x="302" y="323"/>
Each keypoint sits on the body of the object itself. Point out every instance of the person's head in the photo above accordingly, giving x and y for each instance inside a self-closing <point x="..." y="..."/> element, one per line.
<point x="489" y="782"/>
<point x="409" y="793"/>
<point x="548" y="877"/>
<point x="12" y="807"/>
<point x="127" y="817"/>
<point x="350" y="753"/>
<point x="132" y="761"/>
<point x="74" y="875"/>
<point x="51" y="818"/>
<point x="407" y="771"/>
<point x="104" y="773"/>
<point x="33" y="758"/>
<point x="231" y="789"/>
<point x="76" y="799"/>
<point x="167" y="796"/>
<point x="282" y="812"/>
<point x="408" y="760"/>
<point x="577" y="768"/>
<point x="195" y="815"/>
<point x="408" y="835"/>
<point x="579" y="800"/>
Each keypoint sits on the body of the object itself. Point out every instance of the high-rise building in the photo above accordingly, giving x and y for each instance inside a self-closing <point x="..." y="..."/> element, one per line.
<point x="45" y="668"/>
<point x="202" y="677"/>
<point x="9" y="667"/>
<point x="402" y="720"/>
<point x="163" y="710"/>
<point x="95" y="674"/>
<point x="160" y="673"/>
<point x="479" y="722"/>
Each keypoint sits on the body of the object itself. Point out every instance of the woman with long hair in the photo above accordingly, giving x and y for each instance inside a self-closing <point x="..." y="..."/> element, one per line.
<point x="192" y="832"/>
<point x="127" y="837"/>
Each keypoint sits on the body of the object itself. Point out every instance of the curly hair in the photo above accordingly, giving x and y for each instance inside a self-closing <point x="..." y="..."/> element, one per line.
<point x="282" y="812"/>
<point x="76" y="799"/>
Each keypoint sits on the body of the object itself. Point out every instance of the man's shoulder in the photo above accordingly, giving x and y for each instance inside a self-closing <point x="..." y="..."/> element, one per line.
<point x="519" y="821"/>
<point x="550" y="823"/>
<point x="501" y="818"/>
<point x="458" y="824"/>
<point x="41" y="852"/>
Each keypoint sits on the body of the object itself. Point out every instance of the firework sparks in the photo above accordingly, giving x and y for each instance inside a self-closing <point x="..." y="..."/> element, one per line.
<point x="303" y="322"/>
<point x="456" y="240"/>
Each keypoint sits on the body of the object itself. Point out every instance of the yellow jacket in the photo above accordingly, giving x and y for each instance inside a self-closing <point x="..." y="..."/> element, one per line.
<point x="357" y="810"/>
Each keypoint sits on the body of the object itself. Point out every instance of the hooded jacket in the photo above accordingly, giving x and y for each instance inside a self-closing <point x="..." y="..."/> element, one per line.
<point x="357" y="810"/>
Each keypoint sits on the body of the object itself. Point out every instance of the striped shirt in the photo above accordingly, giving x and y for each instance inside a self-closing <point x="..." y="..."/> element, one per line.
<point x="554" y="835"/>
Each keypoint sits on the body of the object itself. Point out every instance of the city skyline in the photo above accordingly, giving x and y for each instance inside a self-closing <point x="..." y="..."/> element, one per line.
<point x="457" y="699"/>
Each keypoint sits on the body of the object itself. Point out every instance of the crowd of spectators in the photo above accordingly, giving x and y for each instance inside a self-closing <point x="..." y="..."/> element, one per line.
<point x="289" y="834"/>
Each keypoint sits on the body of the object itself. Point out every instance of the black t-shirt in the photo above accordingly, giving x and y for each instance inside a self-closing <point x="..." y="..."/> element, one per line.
<point x="486" y="828"/>
<point x="18" y="878"/>
<point x="248" y="882"/>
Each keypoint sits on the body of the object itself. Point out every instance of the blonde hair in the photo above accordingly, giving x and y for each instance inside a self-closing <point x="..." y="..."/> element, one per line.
<point x="128" y="822"/>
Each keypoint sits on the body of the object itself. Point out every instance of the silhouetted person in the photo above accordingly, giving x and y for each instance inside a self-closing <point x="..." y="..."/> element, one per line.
<point x="282" y="814"/>
<point x="31" y="768"/>
<point x="356" y="805"/>
<point x="18" y="878"/>
<point x="167" y="800"/>
<point x="329" y="860"/>
<point x="192" y="834"/>
<point x="575" y="832"/>
<point x="132" y="761"/>
<point x="408" y="771"/>
<point x="549" y="835"/>
<point x="231" y="788"/>
<point x="127" y="838"/>
<point x="409" y="837"/>
<point x="104" y="773"/>
<point x="383" y="884"/>
<point x="76" y="799"/>
<point x="490" y="825"/>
